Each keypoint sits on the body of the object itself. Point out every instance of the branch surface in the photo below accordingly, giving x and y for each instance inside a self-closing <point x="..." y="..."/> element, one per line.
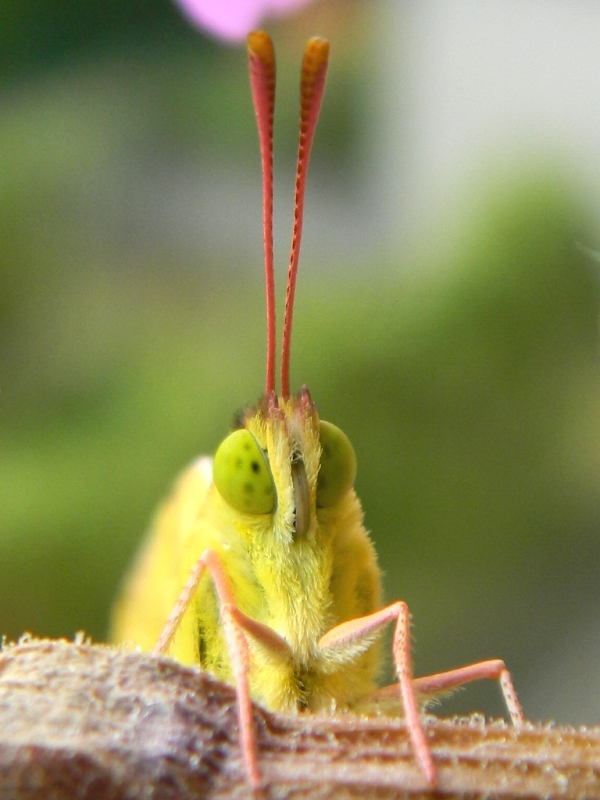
<point x="87" y="721"/>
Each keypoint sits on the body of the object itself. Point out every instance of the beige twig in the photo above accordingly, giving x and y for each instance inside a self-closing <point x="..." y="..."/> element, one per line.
<point x="85" y="721"/>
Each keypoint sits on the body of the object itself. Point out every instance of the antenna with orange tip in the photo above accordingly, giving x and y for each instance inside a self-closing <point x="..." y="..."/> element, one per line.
<point x="312" y="83"/>
<point x="261" y="65"/>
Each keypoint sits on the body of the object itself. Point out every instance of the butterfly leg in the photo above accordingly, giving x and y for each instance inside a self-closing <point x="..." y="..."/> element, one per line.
<point x="357" y="629"/>
<point x="236" y="645"/>
<point x="490" y="670"/>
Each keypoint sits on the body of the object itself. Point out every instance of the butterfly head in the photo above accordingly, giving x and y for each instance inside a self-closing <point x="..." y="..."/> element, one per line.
<point x="284" y="460"/>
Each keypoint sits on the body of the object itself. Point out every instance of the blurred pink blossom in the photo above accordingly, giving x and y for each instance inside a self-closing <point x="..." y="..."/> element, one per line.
<point x="233" y="19"/>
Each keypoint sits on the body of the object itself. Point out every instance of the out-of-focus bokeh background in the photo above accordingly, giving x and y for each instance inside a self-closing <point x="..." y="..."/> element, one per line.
<point x="446" y="316"/>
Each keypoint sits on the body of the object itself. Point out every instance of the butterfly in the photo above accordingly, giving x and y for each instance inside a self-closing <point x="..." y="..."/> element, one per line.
<point x="258" y="567"/>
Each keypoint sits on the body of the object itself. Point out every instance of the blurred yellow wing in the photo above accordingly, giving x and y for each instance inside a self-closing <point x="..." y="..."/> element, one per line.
<point x="152" y="587"/>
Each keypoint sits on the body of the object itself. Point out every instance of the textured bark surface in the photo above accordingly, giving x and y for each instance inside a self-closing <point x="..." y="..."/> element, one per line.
<point x="85" y="721"/>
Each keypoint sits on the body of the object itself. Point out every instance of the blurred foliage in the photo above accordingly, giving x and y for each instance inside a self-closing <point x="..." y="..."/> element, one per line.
<point x="36" y="34"/>
<point x="468" y="382"/>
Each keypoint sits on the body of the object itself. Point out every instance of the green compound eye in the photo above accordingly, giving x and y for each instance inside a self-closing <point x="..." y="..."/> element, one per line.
<point x="338" y="465"/>
<point x="242" y="475"/>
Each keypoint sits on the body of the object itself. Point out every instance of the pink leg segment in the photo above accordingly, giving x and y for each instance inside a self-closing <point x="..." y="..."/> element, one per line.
<point x="482" y="670"/>
<point x="357" y="629"/>
<point x="236" y="645"/>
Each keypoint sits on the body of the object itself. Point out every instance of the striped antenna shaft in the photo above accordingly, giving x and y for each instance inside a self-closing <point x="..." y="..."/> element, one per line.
<point x="261" y="67"/>
<point x="312" y="83"/>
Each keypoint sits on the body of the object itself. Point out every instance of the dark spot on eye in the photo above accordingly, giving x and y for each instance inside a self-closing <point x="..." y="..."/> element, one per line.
<point x="247" y="445"/>
<point x="249" y="487"/>
<point x="326" y="451"/>
<point x="255" y="466"/>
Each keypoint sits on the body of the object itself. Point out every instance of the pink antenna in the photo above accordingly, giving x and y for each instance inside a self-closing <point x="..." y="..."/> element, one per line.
<point x="312" y="83"/>
<point x="261" y="66"/>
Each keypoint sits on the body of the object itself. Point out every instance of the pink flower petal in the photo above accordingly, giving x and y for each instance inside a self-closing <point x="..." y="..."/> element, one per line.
<point x="233" y="19"/>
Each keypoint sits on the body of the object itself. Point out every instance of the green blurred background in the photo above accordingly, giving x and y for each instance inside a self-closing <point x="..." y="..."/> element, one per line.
<point x="462" y="363"/>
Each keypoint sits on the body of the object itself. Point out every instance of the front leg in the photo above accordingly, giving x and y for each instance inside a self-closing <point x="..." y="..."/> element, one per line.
<point x="236" y="626"/>
<point x="357" y="629"/>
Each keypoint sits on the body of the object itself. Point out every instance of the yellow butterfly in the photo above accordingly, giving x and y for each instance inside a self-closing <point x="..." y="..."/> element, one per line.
<point x="281" y="589"/>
